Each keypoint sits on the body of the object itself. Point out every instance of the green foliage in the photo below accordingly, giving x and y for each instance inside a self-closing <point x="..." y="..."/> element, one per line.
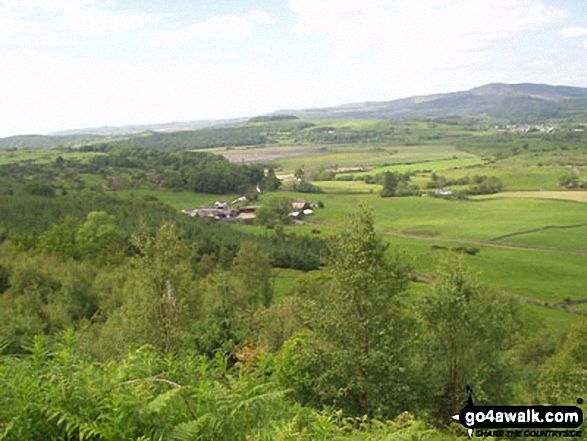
<point x="563" y="375"/>
<point x="160" y="298"/>
<point x="45" y="296"/>
<point x="253" y="269"/>
<point x="471" y="335"/>
<point x="53" y="392"/>
<point x="39" y="189"/>
<point x="98" y="239"/>
<point x="267" y="216"/>
<point x="278" y="323"/>
<point x="389" y="185"/>
<point x="355" y="358"/>
<point x="4" y="278"/>
<point x="306" y="187"/>
<point x="258" y="119"/>
<point x="569" y="180"/>
<point x="274" y="212"/>
<point x="198" y="139"/>
<point x="485" y="185"/>
<point x="270" y="182"/>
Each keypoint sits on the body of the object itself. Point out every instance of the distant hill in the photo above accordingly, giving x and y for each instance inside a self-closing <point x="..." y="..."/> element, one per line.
<point x="162" y="128"/>
<point x="46" y="142"/>
<point x="513" y="102"/>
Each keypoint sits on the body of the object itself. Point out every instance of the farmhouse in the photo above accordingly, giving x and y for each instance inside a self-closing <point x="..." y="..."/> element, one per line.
<point x="443" y="192"/>
<point x="222" y="211"/>
<point x="299" y="204"/>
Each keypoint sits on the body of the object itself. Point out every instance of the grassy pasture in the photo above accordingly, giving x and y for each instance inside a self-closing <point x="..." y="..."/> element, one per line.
<point x="290" y="157"/>
<point x="480" y="220"/>
<point x="553" y="158"/>
<point x="569" y="238"/>
<point x="516" y="179"/>
<point x="377" y="156"/>
<point x="578" y="196"/>
<point x="42" y="156"/>
<point x="432" y="165"/>
<point x="346" y="187"/>
<point x="547" y="276"/>
<point x="544" y="275"/>
<point x="92" y="180"/>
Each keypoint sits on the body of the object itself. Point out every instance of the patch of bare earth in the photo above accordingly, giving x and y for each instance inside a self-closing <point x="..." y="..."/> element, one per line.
<point x="270" y="154"/>
<point x="578" y="196"/>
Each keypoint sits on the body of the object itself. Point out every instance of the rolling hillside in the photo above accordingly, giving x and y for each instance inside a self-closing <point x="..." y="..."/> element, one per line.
<point x="512" y="102"/>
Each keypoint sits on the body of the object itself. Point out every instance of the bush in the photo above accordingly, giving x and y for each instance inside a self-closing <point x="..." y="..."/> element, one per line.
<point x="39" y="189"/>
<point x="306" y="187"/>
<point x="472" y="251"/>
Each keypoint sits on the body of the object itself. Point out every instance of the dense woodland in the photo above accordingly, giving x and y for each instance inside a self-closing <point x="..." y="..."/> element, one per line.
<point x="124" y="319"/>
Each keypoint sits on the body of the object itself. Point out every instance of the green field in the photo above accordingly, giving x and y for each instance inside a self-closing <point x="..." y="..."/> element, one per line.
<point x="569" y="238"/>
<point x="426" y="166"/>
<point x="347" y="187"/>
<point x="527" y="178"/>
<point x="528" y="165"/>
<point x="543" y="275"/>
<point x="480" y="220"/>
<point x="42" y="156"/>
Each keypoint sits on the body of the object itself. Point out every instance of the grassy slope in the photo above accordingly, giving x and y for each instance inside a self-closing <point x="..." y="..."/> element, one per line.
<point x="481" y="220"/>
<point x="547" y="276"/>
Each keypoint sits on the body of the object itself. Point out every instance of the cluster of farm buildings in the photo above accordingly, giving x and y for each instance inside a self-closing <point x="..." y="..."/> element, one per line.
<point x="234" y="212"/>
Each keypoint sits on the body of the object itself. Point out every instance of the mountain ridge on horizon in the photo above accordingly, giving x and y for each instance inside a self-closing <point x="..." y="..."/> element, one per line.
<point x="521" y="103"/>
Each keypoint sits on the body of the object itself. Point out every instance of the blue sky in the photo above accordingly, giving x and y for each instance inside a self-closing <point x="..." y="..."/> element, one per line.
<point x="68" y="64"/>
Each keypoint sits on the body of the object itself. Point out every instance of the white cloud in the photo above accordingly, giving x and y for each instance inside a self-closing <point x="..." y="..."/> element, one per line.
<point x="217" y="55"/>
<point x="541" y="64"/>
<point x="226" y="27"/>
<point x="260" y="17"/>
<point x="77" y="18"/>
<point x="263" y="50"/>
<point x="574" y="32"/>
<point x="403" y="48"/>
<point x="448" y="31"/>
<point x="42" y="93"/>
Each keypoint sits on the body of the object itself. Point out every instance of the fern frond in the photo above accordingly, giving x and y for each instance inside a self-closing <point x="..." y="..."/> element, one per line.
<point x="162" y="400"/>
<point x="190" y="431"/>
<point x="7" y="430"/>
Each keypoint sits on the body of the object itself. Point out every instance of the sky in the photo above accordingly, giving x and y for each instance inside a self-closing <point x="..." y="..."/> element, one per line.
<point x="70" y="64"/>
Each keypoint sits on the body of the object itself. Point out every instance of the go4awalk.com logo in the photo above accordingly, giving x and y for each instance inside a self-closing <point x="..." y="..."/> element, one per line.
<point x="520" y="421"/>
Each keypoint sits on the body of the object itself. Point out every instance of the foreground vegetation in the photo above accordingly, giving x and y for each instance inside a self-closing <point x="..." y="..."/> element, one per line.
<point x="122" y="318"/>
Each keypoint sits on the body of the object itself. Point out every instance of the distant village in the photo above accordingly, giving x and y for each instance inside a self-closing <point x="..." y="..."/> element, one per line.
<point x="517" y="128"/>
<point x="234" y="211"/>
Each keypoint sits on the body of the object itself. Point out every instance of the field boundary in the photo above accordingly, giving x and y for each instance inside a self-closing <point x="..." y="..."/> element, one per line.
<point x="536" y="230"/>
<point x="467" y="240"/>
<point x="564" y="306"/>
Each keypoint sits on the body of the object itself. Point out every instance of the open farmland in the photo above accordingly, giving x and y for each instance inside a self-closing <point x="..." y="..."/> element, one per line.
<point x="542" y="264"/>
<point x="578" y="196"/>
<point x="42" y="156"/>
<point x="479" y="220"/>
<point x="340" y="156"/>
